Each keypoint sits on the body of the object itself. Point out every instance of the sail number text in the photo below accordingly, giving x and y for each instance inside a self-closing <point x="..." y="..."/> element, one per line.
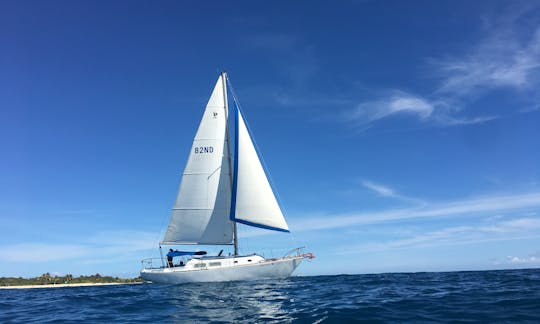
<point x="204" y="149"/>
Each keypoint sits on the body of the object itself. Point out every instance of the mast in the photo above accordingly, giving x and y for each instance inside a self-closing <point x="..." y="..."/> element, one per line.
<point x="224" y="82"/>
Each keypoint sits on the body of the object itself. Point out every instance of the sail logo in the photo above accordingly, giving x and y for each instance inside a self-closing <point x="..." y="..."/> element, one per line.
<point x="204" y="149"/>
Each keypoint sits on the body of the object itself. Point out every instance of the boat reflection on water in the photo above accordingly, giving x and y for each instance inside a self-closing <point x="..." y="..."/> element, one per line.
<point x="230" y="301"/>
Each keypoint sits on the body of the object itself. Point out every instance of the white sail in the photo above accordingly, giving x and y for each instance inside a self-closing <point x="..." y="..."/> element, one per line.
<point x="253" y="201"/>
<point x="201" y="212"/>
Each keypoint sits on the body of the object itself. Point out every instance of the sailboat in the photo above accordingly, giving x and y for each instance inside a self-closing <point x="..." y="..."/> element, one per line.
<point x="221" y="187"/>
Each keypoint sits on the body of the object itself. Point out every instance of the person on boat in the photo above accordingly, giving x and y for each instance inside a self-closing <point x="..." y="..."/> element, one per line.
<point x="170" y="258"/>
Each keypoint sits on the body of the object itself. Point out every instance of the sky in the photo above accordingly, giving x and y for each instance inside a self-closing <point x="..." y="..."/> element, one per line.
<point x="399" y="136"/>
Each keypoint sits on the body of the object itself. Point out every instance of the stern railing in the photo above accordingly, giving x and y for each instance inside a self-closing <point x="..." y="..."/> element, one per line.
<point x="153" y="263"/>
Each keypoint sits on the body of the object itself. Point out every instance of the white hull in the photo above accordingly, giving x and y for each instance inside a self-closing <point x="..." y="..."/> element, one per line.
<point x="266" y="269"/>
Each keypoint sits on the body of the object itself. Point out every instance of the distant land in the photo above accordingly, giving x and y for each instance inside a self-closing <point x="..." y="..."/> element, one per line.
<point x="47" y="280"/>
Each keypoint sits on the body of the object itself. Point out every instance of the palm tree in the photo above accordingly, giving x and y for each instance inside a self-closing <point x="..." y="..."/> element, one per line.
<point x="45" y="278"/>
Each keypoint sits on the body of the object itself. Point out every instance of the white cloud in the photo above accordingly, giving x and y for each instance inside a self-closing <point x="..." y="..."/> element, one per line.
<point x="443" y="236"/>
<point x="530" y="108"/>
<point x="507" y="56"/>
<point x="449" y="120"/>
<point x="491" y="204"/>
<point x="379" y="189"/>
<point x="497" y="61"/>
<point x="513" y="225"/>
<point x="535" y="258"/>
<point x="417" y="106"/>
<point x="386" y="191"/>
<point x="41" y="252"/>
<point x="518" y="229"/>
<point x="103" y="246"/>
<point x="437" y="112"/>
<point x="123" y="241"/>
<point x="398" y="103"/>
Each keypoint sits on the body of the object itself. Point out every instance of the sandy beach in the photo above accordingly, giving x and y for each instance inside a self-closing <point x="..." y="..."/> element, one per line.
<point x="69" y="285"/>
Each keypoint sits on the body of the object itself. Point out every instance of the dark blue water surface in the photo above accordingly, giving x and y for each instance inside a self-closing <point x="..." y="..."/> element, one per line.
<point x="482" y="296"/>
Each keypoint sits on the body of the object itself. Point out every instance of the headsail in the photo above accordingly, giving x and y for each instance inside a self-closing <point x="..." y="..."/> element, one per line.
<point x="253" y="201"/>
<point x="201" y="212"/>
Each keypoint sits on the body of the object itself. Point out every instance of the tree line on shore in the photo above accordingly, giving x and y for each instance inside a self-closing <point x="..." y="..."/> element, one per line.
<point x="48" y="279"/>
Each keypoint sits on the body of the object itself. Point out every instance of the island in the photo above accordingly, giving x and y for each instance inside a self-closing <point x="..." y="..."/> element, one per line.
<point x="47" y="280"/>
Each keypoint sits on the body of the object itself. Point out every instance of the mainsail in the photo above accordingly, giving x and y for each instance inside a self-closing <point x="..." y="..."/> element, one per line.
<point x="201" y="212"/>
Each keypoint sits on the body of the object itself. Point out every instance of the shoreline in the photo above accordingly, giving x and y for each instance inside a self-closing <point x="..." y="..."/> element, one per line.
<point x="84" y="284"/>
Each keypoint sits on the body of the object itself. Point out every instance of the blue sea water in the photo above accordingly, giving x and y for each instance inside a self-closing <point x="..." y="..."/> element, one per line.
<point x="475" y="296"/>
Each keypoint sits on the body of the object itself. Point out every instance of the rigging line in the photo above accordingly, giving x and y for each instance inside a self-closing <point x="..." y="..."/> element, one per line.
<point x="265" y="167"/>
<point x="163" y="229"/>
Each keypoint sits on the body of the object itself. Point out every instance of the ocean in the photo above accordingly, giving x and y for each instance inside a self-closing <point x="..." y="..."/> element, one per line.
<point x="470" y="296"/>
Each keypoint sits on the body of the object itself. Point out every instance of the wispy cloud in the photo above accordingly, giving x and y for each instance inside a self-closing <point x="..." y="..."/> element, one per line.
<point x="100" y="247"/>
<point x="379" y="189"/>
<point x="455" y="121"/>
<point x="471" y="207"/>
<point x="518" y="229"/>
<point x="475" y="206"/>
<point x="399" y="102"/>
<point x="436" y="112"/>
<point x="506" y="57"/>
<point x="500" y="60"/>
<point x="41" y="252"/>
<point x="513" y="225"/>
<point x="386" y="191"/>
<point x="76" y="211"/>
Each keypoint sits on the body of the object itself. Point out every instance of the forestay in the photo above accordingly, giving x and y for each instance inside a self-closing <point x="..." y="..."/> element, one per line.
<point x="201" y="212"/>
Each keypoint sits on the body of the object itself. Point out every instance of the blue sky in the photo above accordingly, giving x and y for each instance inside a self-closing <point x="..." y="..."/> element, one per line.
<point x="399" y="136"/>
